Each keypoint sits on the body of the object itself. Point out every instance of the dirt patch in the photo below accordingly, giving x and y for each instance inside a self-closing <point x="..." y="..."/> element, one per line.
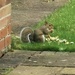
<point x="30" y="12"/>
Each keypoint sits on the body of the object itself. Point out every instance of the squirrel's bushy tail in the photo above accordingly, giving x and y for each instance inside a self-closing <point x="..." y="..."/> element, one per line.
<point x="26" y="34"/>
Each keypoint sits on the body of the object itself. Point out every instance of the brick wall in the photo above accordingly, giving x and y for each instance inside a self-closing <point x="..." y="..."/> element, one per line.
<point x="5" y="26"/>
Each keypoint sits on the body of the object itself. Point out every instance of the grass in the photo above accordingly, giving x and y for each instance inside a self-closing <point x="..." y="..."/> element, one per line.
<point x="63" y="20"/>
<point x="5" y="71"/>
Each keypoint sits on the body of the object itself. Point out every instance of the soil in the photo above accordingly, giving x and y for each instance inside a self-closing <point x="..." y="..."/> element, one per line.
<point x="30" y="12"/>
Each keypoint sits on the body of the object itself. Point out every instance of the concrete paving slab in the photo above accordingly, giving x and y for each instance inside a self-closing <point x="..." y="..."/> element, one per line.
<point x="66" y="54"/>
<point x="19" y="53"/>
<point x="68" y="71"/>
<point x="40" y="60"/>
<point x="71" y="54"/>
<point x="64" y="62"/>
<point x="37" y="58"/>
<point x="51" y="59"/>
<point x="47" y="53"/>
<point x="66" y="59"/>
<point x="38" y="70"/>
<point x="55" y="53"/>
<point x="13" y="59"/>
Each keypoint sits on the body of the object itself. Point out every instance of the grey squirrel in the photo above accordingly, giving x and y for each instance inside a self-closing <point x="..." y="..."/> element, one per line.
<point x="37" y="35"/>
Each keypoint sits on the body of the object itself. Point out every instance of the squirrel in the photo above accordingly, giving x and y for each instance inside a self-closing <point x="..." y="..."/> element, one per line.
<point x="28" y="35"/>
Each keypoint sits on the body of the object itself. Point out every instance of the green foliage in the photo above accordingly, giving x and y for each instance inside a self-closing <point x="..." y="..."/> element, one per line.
<point x="63" y="20"/>
<point x="5" y="71"/>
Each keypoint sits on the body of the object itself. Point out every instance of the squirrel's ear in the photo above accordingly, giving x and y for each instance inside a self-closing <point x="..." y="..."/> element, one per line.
<point x="50" y="24"/>
<point x="46" y="23"/>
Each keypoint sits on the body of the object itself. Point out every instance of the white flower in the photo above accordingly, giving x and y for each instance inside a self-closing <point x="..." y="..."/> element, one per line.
<point x="71" y="42"/>
<point x="64" y="40"/>
<point x="67" y="43"/>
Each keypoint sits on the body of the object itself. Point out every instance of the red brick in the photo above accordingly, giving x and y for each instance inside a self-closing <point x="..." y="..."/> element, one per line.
<point x="4" y="32"/>
<point x="5" y="21"/>
<point x="7" y="40"/>
<point x="9" y="29"/>
<point x="5" y="10"/>
<point x="0" y="53"/>
<point x="4" y="2"/>
<point x="8" y="1"/>
<point x="0" y="34"/>
<point x="2" y="44"/>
